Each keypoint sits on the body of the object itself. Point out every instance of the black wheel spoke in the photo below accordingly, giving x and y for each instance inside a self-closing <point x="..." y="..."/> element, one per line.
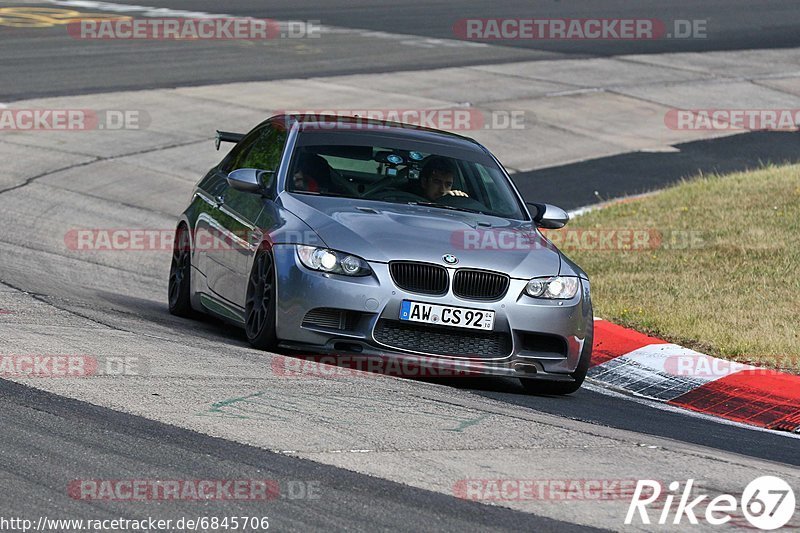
<point x="259" y="295"/>
<point x="257" y="321"/>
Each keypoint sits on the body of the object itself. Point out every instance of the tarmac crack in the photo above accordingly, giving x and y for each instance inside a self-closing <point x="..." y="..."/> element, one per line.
<point x="117" y="202"/>
<point x="43" y="299"/>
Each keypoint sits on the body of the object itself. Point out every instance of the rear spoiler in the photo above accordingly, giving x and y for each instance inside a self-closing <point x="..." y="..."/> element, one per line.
<point x="227" y="137"/>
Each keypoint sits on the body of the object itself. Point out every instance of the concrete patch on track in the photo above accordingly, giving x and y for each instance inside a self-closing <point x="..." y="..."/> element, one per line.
<point x="747" y="64"/>
<point x="785" y="84"/>
<point x="595" y="72"/>
<point x="621" y="105"/>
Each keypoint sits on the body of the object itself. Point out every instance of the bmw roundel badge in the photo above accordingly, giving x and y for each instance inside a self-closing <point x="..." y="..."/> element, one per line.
<point x="450" y="259"/>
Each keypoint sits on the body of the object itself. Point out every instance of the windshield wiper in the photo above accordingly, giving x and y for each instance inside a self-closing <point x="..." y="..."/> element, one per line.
<point x="452" y="208"/>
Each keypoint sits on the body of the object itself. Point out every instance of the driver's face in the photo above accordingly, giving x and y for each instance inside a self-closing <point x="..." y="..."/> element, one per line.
<point x="437" y="185"/>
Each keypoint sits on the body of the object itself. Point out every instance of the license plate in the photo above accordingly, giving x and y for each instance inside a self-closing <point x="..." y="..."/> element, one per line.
<point x="446" y="315"/>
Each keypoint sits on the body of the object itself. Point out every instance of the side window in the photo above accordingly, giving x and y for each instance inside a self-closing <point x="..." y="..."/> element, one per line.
<point x="265" y="152"/>
<point x="235" y="158"/>
<point x="261" y="149"/>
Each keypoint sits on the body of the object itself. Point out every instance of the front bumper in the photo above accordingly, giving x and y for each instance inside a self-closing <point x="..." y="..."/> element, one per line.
<point x="532" y="338"/>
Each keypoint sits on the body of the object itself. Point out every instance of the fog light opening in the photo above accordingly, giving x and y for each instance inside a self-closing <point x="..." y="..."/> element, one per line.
<point x="348" y="347"/>
<point x="526" y="368"/>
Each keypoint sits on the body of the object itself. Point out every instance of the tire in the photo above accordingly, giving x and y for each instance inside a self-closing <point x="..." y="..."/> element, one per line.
<point x="260" y="303"/>
<point x="561" y="388"/>
<point x="180" y="275"/>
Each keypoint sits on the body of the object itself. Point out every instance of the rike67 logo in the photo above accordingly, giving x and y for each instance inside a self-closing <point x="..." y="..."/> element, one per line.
<point x="767" y="503"/>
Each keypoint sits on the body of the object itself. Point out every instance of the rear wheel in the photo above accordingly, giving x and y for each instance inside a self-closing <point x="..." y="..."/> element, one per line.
<point x="560" y="388"/>
<point x="180" y="275"/>
<point x="260" y="303"/>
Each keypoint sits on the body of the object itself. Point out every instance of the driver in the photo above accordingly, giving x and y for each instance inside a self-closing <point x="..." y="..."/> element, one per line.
<point x="436" y="179"/>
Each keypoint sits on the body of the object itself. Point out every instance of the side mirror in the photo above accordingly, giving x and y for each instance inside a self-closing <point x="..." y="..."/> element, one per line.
<point x="549" y="216"/>
<point x="251" y="180"/>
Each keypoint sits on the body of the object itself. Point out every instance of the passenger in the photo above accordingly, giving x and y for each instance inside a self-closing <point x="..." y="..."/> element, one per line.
<point x="313" y="174"/>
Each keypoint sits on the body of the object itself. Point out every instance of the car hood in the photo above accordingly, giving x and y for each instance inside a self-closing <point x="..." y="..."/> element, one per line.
<point x="383" y="232"/>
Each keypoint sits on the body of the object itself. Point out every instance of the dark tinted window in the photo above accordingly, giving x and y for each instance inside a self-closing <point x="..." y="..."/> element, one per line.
<point x="265" y="153"/>
<point x="261" y="149"/>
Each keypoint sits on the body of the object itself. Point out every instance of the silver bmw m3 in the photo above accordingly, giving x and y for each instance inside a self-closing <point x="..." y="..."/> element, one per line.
<point x="335" y="235"/>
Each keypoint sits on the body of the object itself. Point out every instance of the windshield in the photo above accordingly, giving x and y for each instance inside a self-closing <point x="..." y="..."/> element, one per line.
<point x="388" y="173"/>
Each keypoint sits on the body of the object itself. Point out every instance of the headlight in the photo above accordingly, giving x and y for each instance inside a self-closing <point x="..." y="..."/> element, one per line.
<point x="332" y="261"/>
<point x="555" y="288"/>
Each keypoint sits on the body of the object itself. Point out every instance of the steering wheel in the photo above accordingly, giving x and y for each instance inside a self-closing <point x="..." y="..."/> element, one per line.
<point x="394" y="195"/>
<point x="385" y="184"/>
<point x="462" y="201"/>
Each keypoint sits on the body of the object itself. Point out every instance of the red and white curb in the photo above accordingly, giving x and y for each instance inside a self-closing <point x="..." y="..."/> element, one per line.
<point x="651" y="368"/>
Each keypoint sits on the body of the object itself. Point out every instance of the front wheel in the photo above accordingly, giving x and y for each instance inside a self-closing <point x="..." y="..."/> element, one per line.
<point x="260" y="303"/>
<point x="560" y="388"/>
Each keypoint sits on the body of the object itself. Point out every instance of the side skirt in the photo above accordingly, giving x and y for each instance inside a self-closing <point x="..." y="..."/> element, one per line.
<point x="222" y="310"/>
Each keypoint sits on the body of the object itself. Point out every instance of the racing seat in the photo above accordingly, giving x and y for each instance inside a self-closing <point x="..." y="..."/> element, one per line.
<point x="342" y="185"/>
<point x="326" y="178"/>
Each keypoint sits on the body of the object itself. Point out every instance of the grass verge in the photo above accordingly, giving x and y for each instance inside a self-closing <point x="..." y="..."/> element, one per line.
<point x="712" y="264"/>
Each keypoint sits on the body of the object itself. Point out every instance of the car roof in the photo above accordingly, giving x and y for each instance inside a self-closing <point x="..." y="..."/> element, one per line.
<point x="386" y="128"/>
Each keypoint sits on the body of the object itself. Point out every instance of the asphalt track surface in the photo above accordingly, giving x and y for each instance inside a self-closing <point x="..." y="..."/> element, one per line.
<point x="47" y="439"/>
<point x="46" y="61"/>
